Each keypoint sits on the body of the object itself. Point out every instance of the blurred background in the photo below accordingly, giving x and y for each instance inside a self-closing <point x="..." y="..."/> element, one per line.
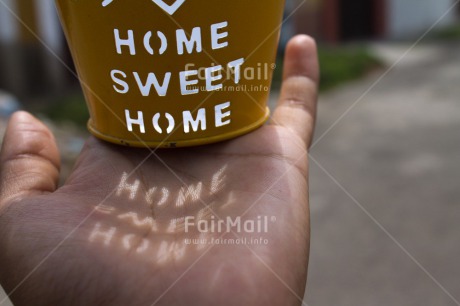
<point x="385" y="165"/>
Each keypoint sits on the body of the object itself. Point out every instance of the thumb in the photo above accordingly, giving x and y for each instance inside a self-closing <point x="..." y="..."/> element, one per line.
<point x="296" y="109"/>
<point x="29" y="159"/>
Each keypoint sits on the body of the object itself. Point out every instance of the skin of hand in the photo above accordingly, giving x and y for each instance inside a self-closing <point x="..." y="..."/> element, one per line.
<point x="114" y="233"/>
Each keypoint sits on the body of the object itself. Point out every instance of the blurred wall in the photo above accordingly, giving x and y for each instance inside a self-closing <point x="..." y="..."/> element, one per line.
<point x="407" y="18"/>
<point x="345" y="20"/>
<point x="31" y="48"/>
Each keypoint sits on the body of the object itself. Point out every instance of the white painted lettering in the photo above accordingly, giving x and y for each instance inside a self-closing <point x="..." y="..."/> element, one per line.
<point x="152" y="80"/>
<point x="190" y="44"/>
<point x="124" y="86"/>
<point x="185" y="83"/>
<point x="220" y="116"/>
<point x="139" y="121"/>
<point x="210" y="78"/>
<point x="216" y="36"/>
<point x="129" y="42"/>
<point x="195" y="123"/>
<point x="236" y="67"/>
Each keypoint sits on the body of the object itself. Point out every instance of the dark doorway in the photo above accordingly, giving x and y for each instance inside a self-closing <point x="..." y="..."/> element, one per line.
<point x="357" y="19"/>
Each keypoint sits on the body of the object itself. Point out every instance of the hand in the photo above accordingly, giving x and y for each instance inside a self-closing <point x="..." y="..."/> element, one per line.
<point x="128" y="226"/>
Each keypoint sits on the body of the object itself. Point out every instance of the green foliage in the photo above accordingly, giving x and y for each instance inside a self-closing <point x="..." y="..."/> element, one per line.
<point x="338" y="65"/>
<point x="450" y="33"/>
<point x="70" y="108"/>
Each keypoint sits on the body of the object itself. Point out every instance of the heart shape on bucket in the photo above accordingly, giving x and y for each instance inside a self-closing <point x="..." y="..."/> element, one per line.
<point x="170" y="9"/>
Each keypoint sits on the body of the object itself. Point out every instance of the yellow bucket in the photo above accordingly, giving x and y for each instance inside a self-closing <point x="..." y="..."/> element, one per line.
<point x="165" y="73"/>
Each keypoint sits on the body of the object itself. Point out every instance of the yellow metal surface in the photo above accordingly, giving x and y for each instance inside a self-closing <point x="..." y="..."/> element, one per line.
<point x="167" y="143"/>
<point x="150" y="70"/>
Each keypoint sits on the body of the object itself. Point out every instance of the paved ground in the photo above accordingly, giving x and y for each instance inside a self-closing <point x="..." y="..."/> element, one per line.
<point x="386" y="205"/>
<point x="385" y="186"/>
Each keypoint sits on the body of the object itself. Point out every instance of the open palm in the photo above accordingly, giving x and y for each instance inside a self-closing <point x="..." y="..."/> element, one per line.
<point x="224" y="224"/>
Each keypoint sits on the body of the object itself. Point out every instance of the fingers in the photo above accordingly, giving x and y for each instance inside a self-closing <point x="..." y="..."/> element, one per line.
<point x="29" y="159"/>
<point x="296" y="109"/>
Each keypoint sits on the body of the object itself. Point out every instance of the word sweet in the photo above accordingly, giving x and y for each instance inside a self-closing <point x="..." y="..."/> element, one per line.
<point x="189" y="79"/>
